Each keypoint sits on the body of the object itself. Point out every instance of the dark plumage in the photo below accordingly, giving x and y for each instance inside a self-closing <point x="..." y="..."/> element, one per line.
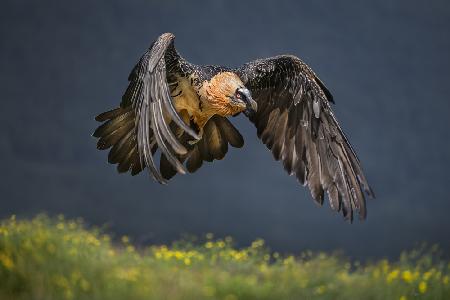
<point x="181" y="110"/>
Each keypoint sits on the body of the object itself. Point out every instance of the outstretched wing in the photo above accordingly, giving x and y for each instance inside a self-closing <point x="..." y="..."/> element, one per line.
<point x="148" y="93"/>
<point x="295" y="121"/>
<point x="147" y="120"/>
<point x="148" y="102"/>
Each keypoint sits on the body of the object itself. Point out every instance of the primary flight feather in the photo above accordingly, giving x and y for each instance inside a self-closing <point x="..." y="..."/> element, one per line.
<point x="182" y="109"/>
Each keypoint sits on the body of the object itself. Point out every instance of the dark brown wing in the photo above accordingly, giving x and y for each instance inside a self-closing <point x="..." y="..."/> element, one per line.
<point x="218" y="133"/>
<point x="140" y="125"/>
<point x="146" y="120"/>
<point x="295" y="121"/>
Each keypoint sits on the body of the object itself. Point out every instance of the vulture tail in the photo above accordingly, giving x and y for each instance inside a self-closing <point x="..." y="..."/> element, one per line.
<point x="217" y="134"/>
<point x="118" y="133"/>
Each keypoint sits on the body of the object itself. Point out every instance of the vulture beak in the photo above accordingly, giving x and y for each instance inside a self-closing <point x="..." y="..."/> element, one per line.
<point x="251" y="105"/>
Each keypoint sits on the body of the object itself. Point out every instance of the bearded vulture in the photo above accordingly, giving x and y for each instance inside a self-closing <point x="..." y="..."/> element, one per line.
<point x="182" y="110"/>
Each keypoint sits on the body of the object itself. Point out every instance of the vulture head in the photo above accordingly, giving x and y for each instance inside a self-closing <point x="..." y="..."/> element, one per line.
<point x="228" y="96"/>
<point x="243" y="97"/>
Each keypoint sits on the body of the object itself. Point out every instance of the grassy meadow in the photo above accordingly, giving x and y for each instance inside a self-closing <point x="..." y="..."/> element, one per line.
<point x="46" y="259"/>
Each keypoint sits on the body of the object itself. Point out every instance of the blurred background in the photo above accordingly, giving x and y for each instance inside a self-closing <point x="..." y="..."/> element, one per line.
<point x="386" y="62"/>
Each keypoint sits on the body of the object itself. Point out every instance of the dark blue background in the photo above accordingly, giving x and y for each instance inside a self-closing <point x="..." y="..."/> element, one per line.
<point x="386" y="62"/>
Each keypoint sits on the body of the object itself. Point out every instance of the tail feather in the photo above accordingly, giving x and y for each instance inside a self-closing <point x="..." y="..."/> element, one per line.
<point x="114" y="123"/>
<point x="229" y="132"/>
<point x="195" y="160"/>
<point x="217" y="134"/>
<point x="119" y="150"/>
<point x="108" y="140"/>
<point x="118" y="134"/>
<point x="217" y="145"/>
<point x="125" y="164"/>
<point x="108" y="115"/>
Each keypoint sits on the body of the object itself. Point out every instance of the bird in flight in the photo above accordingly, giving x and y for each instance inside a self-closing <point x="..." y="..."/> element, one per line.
<point x="181" y="111"/>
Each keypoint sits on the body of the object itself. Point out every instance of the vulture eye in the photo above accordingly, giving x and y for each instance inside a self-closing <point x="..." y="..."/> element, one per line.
<point x="238" y="95"/>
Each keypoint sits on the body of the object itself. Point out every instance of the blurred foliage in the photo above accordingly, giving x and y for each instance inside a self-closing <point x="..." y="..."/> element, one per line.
<point x="50" y="259"/>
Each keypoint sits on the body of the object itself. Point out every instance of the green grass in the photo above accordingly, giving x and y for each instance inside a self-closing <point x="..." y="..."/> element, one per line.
<point x="58" y="259"/>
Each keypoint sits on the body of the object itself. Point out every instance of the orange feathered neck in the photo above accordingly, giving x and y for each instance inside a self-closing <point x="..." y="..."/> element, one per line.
<point x="217" y="94"/>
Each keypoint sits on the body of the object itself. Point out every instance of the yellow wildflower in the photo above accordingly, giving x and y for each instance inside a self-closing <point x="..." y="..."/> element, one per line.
<point x="3" y="231"/>
<point x="72" y="225"/>
<point x="258" y="243"/>
<point x="427" y="275"/>
<point x="407" y="276"/>
<point x="392" y="275"/>
<point x="239" y="255"/>
<point x="403" y="298"/>
<point x="92" y="240"/>
<point x="125" y="239"/>
<point x="422" y="287"/>
<point x="6" y="261"/>
<point x="129" y="274"/>
<point x="344" y="276"/>
<point x="289" y="260"/>
<point x="62" y="282"/>
<point x="179" y="255"/>
<point x="263" y="268"/>
<point x="445" y="280"/>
